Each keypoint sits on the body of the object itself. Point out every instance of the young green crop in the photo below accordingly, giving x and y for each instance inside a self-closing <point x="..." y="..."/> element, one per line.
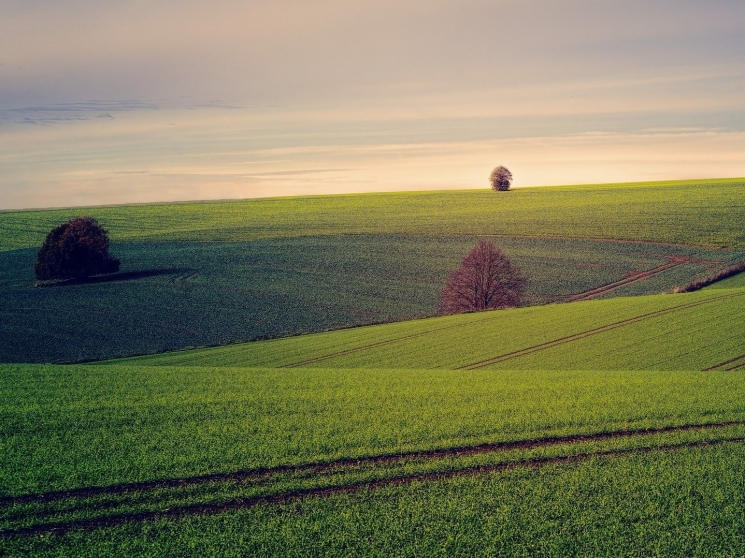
<point x="699" y="212"/>
<point x="682" y="502"/>
<point x="694" y="331"/>
<point x="183" y="294"/>
<point x="65" y="427"/>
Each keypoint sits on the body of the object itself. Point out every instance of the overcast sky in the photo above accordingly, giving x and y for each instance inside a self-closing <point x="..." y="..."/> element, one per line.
<point x="147" y="100"/>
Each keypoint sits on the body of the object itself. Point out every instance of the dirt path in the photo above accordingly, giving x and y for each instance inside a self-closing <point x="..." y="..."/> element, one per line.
<point x="732" y="364"/>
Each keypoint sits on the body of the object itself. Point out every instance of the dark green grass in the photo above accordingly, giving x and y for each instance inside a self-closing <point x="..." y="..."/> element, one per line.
<point x="700" y="212"/>
<point x="181" y="294"/>
<point x="693" y="331"/>
<point x="66" y="427"/>
<point x="686" y="502"/>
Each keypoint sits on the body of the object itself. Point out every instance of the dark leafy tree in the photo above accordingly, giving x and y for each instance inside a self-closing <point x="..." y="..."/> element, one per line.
<point x="500" y="179"/>
<point x="75" y="250"/>
<point x="485" y="280"/>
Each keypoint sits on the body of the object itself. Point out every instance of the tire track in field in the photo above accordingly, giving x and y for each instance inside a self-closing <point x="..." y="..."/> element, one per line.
<point x="672" y="263"/>
<point x="355" y="462"/>
<point x="589" y="333"/>
<point x="391" y="341"/>
<point x="738" y="362"/>
<point x="237" y="504"/>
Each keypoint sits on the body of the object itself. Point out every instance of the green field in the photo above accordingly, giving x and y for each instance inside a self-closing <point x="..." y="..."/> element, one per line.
<point x="178" y="443"/>
<point x="696" y="212"/>
<point x="694" y="331"/>
<point x="605" y="427"/>
<point x="206" y="274"/>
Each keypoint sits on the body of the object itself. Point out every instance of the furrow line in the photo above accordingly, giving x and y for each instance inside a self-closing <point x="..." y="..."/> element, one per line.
<point x="298" y="495"/>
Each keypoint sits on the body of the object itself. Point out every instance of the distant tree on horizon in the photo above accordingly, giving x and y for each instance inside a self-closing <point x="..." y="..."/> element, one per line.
<point x="75" y="250"/>
<point x="500" y="179"/>
<point x="486" y="279"/>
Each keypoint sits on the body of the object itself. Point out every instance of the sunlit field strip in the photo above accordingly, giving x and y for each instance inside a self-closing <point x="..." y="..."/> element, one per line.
<point x="624" y="333"/>
<point x="703" y="212"/>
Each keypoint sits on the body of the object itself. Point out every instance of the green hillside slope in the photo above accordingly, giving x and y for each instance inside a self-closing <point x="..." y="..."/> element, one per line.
<point x="702" y="212"/>
<point x="694" y="331"/>
<point x="206" y="274"/>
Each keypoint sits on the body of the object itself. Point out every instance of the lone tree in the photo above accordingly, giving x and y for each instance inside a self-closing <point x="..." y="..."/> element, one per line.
<point x="75" y="250"/>
<point x="485" y="280"/>
<point x="500" y="179"/>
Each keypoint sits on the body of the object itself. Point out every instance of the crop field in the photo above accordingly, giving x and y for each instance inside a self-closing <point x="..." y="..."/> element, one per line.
<point x="105" y="455"/>
<point x="175" y="295"/>
<point x="696" y="212"/>
<point x="694" y="331"/>
<point x="280" y="267"/>
<point x="604" y="419"/>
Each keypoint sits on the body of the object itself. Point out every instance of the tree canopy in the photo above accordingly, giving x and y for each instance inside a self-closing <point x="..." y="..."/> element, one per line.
<point x="75" y="250"/>
<point x="500" y="179"/>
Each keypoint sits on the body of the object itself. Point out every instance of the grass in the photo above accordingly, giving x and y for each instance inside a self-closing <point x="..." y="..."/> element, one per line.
<point x="75" y="427"/>
<point x="635" y="333"/>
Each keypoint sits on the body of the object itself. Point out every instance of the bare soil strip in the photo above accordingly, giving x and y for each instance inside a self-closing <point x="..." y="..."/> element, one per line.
<point x="588" y="333"/>
<point x="295" y="495"/>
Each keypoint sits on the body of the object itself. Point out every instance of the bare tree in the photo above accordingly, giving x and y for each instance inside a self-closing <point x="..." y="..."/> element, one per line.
<point x="500" y="179"/>
<point x="485" y="280"/>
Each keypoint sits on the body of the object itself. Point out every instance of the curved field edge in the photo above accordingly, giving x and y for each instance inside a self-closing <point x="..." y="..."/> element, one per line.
<point x="682" y="502"/>
<point x="702" y="212"/>
<point x="643" y="333"/>
<point x="67" y="427"/>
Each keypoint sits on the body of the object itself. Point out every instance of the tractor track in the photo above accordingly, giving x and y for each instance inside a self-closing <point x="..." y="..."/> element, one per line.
<point x="62" y="527"/>
<point x="737" y="362"/>
<point x="264" y="475"/>
<point x="376" y="344"/>
<point x="589" y="333"/>
<point x="672" y="263"/>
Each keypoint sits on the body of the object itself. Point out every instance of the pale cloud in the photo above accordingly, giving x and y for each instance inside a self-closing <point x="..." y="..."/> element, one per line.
<point x="244" y="98"/>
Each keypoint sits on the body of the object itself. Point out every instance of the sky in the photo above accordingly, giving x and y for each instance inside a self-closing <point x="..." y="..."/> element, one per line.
<point x="157" y="100"/>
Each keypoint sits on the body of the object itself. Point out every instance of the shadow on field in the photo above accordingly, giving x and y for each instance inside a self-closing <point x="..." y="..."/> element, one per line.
<point x="179" y="272"/>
